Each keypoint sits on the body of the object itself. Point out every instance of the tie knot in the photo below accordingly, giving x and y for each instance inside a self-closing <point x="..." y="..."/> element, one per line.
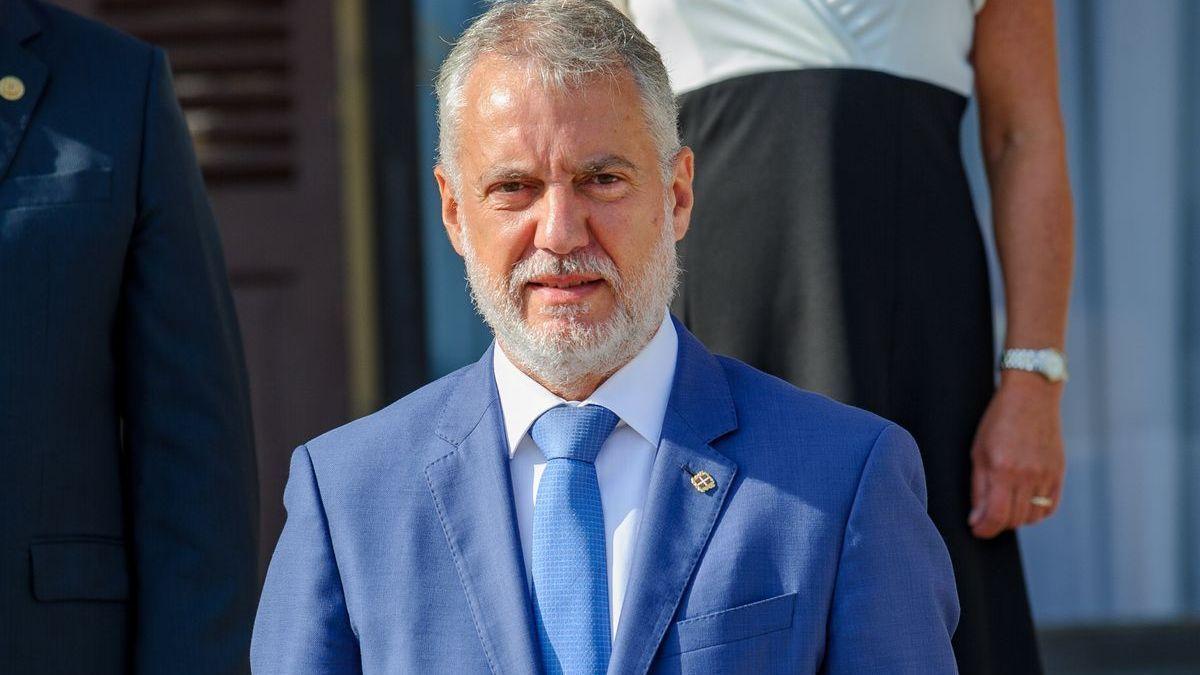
<point x="573" y="432"/>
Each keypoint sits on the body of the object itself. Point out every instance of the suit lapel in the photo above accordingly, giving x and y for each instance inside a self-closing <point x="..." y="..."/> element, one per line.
<point x="678" y="518"/>
<point x="472" y="491"/>
<point x="18" y="25"/>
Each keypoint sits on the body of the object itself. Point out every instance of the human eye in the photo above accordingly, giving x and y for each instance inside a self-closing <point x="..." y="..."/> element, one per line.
<point x="509" y="187"/>
<point x="605" y="185"/>
<point x="511" y="193"/>
<point x="605" y="179"/>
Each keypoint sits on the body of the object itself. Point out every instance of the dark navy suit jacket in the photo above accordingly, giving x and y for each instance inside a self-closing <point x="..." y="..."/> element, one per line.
<point x="127" y="475"/>
<point x="812" y="553"/>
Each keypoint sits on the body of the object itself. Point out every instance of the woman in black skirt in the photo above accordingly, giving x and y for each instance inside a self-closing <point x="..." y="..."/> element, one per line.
<point x="834" y="244"/>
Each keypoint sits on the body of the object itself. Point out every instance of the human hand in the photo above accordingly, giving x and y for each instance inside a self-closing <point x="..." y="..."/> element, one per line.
<point x="1017" y="455"/>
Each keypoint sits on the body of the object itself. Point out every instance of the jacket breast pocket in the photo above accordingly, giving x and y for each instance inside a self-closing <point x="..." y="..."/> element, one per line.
<point x="730" y="625"/>
<point x="75" y="187"/>
<point x="79" y="568"/>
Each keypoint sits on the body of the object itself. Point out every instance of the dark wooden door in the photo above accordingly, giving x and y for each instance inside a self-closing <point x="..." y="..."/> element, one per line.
<point x="257" y="82"/>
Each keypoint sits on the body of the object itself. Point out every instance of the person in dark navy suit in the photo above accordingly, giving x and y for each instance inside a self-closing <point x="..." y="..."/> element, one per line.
<point x="127" y="470"/>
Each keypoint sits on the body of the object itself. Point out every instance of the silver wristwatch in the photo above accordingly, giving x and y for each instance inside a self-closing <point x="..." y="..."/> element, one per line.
<point x="1049" y="363"/>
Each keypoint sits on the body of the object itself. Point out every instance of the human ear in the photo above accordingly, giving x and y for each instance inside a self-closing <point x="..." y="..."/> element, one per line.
<point x="450" y="218"/>
<point x="681" y="189"/>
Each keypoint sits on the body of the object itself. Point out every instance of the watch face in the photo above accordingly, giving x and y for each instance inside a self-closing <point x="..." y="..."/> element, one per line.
<point x="1052" y="366"/>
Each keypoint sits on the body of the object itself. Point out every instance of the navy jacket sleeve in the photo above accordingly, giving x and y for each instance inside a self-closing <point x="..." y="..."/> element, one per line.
<point x="186" y="415"/>
<point x="895" y="606"/>
<point x="303" y="625"/>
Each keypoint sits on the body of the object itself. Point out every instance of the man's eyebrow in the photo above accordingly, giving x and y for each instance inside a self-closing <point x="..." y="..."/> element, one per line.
<point x="503" y="173"/>
<point x="507" y="172"/>
<point x="605" y="163"/>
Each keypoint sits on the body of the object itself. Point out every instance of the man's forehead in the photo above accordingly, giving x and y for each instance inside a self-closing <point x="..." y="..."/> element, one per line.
<point x="498" y="83"/>
<point x="517" y="126"/>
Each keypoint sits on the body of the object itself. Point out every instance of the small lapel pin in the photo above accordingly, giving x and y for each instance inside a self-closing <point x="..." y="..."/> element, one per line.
<point x="701" y="480"/>
<point x="11" y="88"/>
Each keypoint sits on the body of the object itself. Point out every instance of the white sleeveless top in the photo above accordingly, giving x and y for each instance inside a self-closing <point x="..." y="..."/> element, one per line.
<point x="706" y="41"/>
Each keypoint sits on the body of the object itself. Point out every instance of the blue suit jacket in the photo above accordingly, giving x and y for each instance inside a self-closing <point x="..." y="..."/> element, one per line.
<point x="813" y="552"/>
<point x="128" y="487"/>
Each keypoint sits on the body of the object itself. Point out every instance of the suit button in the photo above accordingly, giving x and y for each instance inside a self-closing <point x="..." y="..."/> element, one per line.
<point x="11" y="88"/>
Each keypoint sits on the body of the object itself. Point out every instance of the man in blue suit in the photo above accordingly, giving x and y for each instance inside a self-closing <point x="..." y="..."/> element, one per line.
<point x="598" y="493"/>
<point x="127" y="472"/>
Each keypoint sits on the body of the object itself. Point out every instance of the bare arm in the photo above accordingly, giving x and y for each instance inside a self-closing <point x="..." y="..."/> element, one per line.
<point x="1018" y="450"/>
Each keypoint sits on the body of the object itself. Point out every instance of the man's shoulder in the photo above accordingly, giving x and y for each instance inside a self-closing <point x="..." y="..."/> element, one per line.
<point x="754" y="388"/>
<point x="801" y="442"/>
<point x="405" y="425"/>
<point x="774" y="414"/>
<point x="68" y="30"/>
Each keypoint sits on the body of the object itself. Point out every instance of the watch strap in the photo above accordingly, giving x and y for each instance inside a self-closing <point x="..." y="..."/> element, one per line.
<point x="1049" y="363"/>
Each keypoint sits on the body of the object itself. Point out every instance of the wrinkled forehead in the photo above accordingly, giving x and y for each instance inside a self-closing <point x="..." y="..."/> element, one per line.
<point x="504" y="81"/>
<point x="508" y="108"/>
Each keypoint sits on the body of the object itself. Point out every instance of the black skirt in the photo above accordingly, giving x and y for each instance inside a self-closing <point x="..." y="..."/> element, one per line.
<point x="834" y="244"/>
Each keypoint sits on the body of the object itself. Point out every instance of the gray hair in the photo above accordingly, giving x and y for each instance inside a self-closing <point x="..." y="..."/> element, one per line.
<point x="567" y="42"/>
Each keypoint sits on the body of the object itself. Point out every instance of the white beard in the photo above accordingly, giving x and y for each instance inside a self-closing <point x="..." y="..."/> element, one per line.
<point x="563" y="356"/>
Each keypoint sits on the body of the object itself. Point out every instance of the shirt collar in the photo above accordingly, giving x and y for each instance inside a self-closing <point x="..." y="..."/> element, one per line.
<point x="637" y="393"/>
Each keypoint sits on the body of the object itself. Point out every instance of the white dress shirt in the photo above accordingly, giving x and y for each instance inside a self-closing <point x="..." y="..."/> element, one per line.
<point x="637" y="393"/>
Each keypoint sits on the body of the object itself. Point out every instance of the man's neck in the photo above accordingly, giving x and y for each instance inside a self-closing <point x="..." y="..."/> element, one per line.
<point x="575" y="391"/>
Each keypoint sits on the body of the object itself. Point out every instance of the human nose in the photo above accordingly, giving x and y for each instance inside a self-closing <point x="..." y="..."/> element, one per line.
<point x="562" y="225"/>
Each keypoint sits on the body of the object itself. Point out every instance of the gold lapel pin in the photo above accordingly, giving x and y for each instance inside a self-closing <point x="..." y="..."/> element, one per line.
<point x="703" y="481"/>
<point x="11" y="88"/>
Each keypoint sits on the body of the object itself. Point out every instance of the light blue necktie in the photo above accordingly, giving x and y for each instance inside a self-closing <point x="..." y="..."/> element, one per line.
<point x="570" y="574"/>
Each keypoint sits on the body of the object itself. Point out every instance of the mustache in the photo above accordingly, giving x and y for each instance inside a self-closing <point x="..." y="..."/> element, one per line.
<point x="587" y="261"/>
